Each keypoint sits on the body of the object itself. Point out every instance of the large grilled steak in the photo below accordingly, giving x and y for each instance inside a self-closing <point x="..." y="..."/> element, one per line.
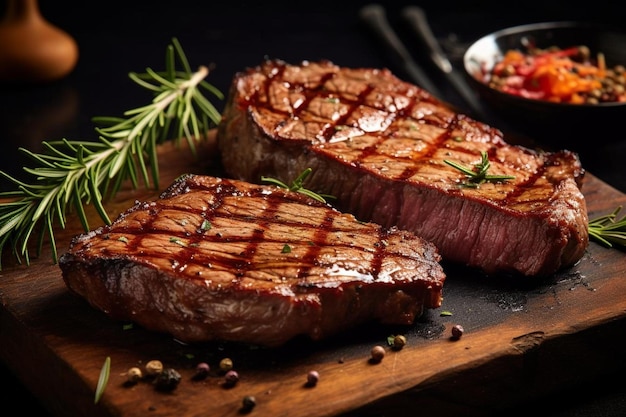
<point x="218" y="259"/>
<point x="382" y="147"/>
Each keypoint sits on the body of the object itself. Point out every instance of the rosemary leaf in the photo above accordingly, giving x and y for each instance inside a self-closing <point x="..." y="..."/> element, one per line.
<point x="298" y="186"/>
<point x="103" y="380"/>
<point x="49" y="228"/>
<point x="133" y="76"/>
<point x="478" y="174"/>
<point x="181" y="55"/>
<point x="608" y="230"/>
<point x="82" y="216"/>
<point x="274" y="181"/>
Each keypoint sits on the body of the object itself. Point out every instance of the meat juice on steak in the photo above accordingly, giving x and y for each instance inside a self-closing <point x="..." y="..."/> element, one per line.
<point x="380" y="145"/>
<point x="219" y="259"/>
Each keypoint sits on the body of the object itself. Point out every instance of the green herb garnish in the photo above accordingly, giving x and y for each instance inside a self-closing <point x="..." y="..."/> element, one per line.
<point x="297" y="186"/>
<point x="608" y="230"/>
<point x="478" y="174"/>
<point x="286" y="249"/>
<point x="206" y="225"/>
<point x="75" y="173"/>
<point x="103" y="380"/>
<point x="177" y="241"/>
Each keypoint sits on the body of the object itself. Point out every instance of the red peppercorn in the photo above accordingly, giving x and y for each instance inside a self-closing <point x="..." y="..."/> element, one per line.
<point x="231" y="378"/>
<point x="202" y="370"/>
<point x="312" y="378"/>
<point x="377" y="353"/>
<point x="457" y="331"/>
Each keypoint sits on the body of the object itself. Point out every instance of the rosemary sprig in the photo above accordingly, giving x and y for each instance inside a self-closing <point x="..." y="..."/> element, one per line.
<point x="71" y="174"/>
<point x="298" y="186"/>
<point x="478" y="174"/>
<point x="608" y="230"/>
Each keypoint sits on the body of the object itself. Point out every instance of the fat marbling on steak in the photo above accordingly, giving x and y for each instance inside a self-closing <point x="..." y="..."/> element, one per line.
<point x="380" y="145"/>
<point x="219" y="259"/>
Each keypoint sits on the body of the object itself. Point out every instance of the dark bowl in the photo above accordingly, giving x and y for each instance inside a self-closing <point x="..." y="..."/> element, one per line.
<point x="559" y="123"/>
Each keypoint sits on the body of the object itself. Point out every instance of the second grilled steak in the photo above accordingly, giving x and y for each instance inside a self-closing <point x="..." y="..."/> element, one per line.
<point x="217" y="259"/>
<point x="382" y="147"/>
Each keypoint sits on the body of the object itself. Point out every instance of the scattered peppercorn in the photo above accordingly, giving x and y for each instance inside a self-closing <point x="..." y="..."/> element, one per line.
<point x="167" y="380"/>
<point x="231" y="378"/>
<point x="377" y="353"/>
<point x="311" y="378"/>
<point x="457" y="331"/>
<point x="133" y="375"/>
<point x="226" y="364"/>
<point x="248" y="403"/>
<point x="154" y="368"/>
<point x="399" y="341"/>
<point x="202" y="370"/>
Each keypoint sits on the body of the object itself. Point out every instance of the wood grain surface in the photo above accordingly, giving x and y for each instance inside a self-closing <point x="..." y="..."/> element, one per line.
<point x="523" y="338"/>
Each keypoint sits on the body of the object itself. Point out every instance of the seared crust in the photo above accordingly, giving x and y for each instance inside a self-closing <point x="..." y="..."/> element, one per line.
<point x="207" y="261"/>
<point x="379" y="145"/>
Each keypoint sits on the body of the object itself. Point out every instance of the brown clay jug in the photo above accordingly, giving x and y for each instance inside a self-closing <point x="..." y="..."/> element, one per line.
<point x="31" y="48"/>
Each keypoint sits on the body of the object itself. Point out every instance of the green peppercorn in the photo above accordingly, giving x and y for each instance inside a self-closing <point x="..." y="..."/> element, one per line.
<point x="154" y="368"/>
<point x="226" y="364"/>
<point x="133" y="375"/>
<point x="399" y="341"/>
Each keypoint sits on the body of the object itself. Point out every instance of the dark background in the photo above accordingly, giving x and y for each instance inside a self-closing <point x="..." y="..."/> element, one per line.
<point x="117" y="37"/>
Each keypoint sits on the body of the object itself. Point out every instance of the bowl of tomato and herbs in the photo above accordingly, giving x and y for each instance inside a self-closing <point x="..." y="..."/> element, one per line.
<point x="564" y="81"/>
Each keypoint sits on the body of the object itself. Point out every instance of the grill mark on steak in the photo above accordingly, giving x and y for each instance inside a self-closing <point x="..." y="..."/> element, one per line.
<point x="157" y="265"/>
<point x="378" y="144"/>
<point x="257" y="223"/>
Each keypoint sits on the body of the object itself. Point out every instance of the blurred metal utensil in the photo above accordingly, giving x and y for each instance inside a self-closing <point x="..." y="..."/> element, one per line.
<point x="375" y="17"/>
<point x="417" y="20"/>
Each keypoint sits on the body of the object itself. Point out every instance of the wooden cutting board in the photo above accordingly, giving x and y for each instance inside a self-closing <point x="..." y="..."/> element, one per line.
<point x="523" y="338"/>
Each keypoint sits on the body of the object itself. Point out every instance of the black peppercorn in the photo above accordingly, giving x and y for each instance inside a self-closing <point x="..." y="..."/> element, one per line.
<point x="248" y="403"/>
<point x="167" y="380"/>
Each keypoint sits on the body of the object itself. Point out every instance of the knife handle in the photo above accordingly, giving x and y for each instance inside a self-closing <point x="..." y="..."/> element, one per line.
<point x="417" y="20"/>
<point x="374" y="16"/>
<point x="416" y="17"/>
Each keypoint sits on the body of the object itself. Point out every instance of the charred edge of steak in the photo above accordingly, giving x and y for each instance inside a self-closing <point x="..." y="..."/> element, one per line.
<point x="379" y="144"/>
<point x="206" y="261"/>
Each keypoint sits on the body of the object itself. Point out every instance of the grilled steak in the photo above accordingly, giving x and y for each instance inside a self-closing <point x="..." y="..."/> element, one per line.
<point x="381" y="146"/>
<point x="218" y="259"/>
